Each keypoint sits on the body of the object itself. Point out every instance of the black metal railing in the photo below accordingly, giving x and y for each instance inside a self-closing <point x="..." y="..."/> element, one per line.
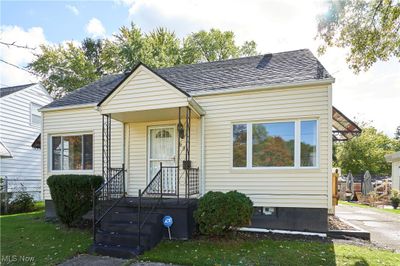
<point x="108" y="195"/>
<point x="193" y="186"/>
<point x="165" y="182"/>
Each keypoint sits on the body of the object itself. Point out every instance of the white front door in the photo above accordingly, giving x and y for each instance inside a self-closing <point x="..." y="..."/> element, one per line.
<point x="161" y="149"/>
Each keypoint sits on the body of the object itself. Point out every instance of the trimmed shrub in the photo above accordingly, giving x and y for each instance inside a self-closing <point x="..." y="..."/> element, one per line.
<point x="72" y="195"/>
<point x="23" y="202"/>
<point x="219" y="213"/>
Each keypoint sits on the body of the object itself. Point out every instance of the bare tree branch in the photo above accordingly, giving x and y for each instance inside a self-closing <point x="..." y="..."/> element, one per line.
<point x="13" y="44"/>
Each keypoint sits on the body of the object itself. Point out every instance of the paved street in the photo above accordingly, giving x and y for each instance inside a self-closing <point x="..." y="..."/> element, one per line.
<point x="383" y="226"/>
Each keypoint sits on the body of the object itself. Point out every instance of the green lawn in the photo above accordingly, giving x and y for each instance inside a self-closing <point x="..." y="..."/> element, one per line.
<point x="397" y="211"/>
<point x="27" y="236"/>
<point x="267" y="252"/>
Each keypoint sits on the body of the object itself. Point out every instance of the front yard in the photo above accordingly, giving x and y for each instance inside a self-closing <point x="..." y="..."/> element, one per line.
<point x="27" y="236"/>
<point x="26" y="239"/>
<point x="267" y="252"/>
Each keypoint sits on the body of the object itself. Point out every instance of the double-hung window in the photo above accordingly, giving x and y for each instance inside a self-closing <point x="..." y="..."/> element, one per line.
<point x="73" y="152"/>
<point x="275" y="144"/>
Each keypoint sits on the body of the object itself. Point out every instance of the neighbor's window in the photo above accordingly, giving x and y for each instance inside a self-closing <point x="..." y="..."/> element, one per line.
<point x="239" y="145"/>
<point x="72" y="152"/>
<point x="273" y="144"/>
<point x="36" y="118"/>
<point x="308" y="131"/>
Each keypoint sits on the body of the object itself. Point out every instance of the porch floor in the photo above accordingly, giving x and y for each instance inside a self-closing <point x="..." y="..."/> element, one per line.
<point x="164" y="202"/>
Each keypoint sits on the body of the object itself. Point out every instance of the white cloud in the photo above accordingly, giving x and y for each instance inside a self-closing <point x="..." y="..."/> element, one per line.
<point x="33" y="37"/>
<point x="95" y="28"/>
<point x="278" y="26"/>
<point x="73" y="9"/>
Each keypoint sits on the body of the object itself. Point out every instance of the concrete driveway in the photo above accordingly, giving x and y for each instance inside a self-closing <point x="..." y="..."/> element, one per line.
<point x="383" y="226"/>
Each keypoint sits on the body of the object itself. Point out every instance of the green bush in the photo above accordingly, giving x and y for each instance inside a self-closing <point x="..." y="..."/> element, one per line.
<point x="23" y="202"/>
<point x="395" y="199"/>
<point x="219" y="213"/>
<point x="72" y="195"/>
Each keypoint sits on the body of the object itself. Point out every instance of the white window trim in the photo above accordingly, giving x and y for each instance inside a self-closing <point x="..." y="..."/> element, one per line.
<point x="74" y="171"/>
<point x="297" y="148"/>
<point x="30" y="115"/>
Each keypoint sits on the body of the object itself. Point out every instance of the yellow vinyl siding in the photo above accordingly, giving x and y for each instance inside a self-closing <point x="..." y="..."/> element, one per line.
<point x="143" y="91"/>
<point x="297" y="187"/>
<point x="137" y="160"/>
<point x="78" y="121"/>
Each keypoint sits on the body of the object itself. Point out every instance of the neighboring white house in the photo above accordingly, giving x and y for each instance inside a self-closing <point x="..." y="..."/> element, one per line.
<point x="260" y="125"/>
<point x="20" y="126"/>
<point x="394" y="158"/>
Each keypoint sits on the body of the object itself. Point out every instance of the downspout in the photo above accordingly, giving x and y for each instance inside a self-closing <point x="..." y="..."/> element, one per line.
<point x="202" y="163"/>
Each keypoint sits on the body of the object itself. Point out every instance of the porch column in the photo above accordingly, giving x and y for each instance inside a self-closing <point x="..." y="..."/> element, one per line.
<point x="106" y="142"/>
<point x="187" y="153"/>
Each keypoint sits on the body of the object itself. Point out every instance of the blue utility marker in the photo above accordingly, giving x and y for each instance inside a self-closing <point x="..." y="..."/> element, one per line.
<point x="168" y="221"/>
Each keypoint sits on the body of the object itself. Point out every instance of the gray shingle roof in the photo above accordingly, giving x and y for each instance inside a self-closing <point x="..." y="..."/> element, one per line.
<point x="4" y="91"/>
<point x="262" y="70"/>
<point x="91" y="93"/>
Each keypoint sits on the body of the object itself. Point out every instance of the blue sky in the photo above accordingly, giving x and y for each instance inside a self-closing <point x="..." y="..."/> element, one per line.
<point x="58" y="20"/>
<point x="275" y="25"/>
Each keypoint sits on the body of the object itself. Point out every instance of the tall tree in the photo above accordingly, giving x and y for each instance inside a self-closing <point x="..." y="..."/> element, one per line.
<point x="366" y="152"/>
<point x="64" y="68"/>
<point x="68" y="67"/>
<point x="162" y="48"/>
<point x="214" y="45"/>
<point x="370" y="29"/>
<point x="92" y="49"/>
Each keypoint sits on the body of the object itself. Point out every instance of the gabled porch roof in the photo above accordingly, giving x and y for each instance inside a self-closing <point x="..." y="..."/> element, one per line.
<point x="143" y="95"/>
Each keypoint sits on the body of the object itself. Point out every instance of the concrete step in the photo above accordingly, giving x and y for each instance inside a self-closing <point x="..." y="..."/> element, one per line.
<point x="147" y="240"/>
<point x="115" y="251"/>
<point x="128" y="227"/>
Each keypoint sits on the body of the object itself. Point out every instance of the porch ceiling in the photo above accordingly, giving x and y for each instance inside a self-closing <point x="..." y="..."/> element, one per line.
<point x="163" y="114"/>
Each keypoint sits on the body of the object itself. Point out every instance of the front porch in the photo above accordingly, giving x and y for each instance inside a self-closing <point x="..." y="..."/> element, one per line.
<point x="161" y="156"/>
<point x="160" y="176"/>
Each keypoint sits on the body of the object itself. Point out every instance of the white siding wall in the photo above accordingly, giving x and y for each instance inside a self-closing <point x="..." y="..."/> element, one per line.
<point x="273" y="188"/>
<point x="78" y="121"/>
<point x="18" y="134"/>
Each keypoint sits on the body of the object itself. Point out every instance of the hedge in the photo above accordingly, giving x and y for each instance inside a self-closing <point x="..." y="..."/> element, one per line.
<point x="72" y="195"/>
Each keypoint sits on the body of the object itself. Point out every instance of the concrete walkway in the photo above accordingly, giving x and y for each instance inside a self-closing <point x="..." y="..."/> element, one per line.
<point x="383" y="226"/>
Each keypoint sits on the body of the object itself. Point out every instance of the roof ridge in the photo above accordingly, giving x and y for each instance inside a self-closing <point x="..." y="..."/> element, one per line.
<point x="231" y="59"/>
<point x="15" y="86"/>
